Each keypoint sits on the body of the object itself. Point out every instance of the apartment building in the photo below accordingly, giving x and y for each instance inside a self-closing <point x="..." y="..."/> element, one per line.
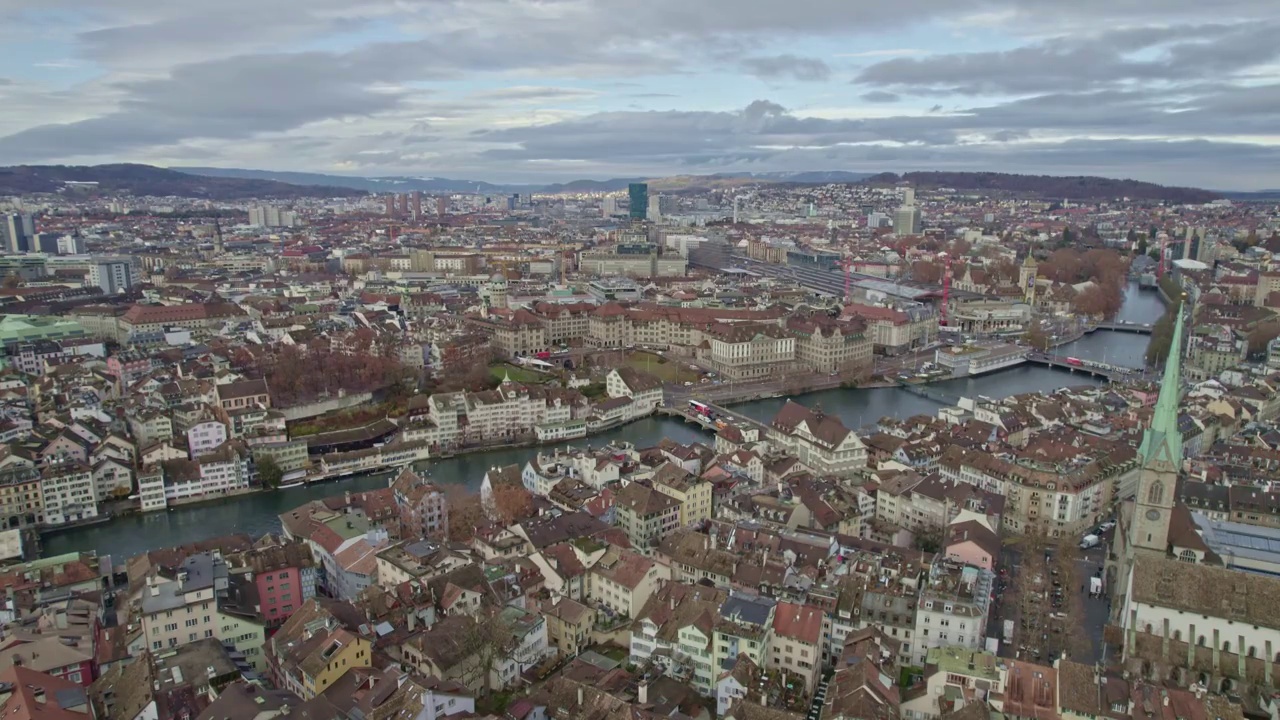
<point x="21" y="503"/>
<point x="745" y="627"/>
<point x="623" y="581"/>
<point x="1060" y="498"/>
<point x="522" y="335"/>
<point x="952" y="608"/>
<point x="183" y="607"/>
<point x="204" y="437"/>
<point x="693" y="493"/>
<point x="424" y="512"/>
<point x="67" y="493"/>
<point x="796" y="644"/>
<point x="640" y="387"/>
<point x="645" y="515"/>
<point x="820" y="441"/>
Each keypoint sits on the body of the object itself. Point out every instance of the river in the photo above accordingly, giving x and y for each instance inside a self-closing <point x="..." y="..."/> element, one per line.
<point x="257" y="514"/>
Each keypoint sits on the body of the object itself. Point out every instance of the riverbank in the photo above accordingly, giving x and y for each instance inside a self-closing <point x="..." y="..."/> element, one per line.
<point x="259" y="513"/>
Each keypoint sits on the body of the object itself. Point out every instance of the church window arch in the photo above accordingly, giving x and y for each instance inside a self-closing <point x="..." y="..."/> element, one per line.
<point x="1155" y="495"/>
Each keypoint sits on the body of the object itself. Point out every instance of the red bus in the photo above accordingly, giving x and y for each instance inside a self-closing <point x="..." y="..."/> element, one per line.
<point x="1074" y="361"/>
<point x="700" y="408"/>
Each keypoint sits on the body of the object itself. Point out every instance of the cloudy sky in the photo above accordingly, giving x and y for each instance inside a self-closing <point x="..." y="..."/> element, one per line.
<point x="1175" y="91"/>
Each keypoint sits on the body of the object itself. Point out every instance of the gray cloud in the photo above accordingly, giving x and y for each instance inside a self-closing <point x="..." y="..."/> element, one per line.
<point x="1180" y="54"/>
<point x="780" y="66"/>
<point x="880" y="96"/>
<point x="390" y="85"/>
<point x="535" y="93"/>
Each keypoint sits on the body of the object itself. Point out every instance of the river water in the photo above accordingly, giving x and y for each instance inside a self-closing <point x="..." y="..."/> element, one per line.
<point x="259" y="513"/>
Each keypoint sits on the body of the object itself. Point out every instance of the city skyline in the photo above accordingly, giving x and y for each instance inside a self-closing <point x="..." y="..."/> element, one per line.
<point x="524" y="92"/>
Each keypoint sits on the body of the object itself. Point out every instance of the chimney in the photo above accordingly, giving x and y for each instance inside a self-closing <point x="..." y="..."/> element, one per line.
<point x="580" y="694"/>
<point x="410" y="621"/>
<point x="643" y="695"/>
<point x="1165" y="699"/>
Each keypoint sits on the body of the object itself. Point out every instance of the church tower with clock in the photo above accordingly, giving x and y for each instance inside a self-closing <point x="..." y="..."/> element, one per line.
<point x="1161" y="456"/>
<point x="1144" y="520"/>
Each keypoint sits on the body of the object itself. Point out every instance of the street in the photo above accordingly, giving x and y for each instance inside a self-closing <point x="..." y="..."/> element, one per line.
<point x="1095" y="610"/>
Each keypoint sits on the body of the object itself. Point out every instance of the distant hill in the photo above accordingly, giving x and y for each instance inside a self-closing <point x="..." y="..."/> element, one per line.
<point x="149" y="180"/>
<point x="385" y="184"/>
<point x="406" y="183"/>
<point x="1050" y="187"/>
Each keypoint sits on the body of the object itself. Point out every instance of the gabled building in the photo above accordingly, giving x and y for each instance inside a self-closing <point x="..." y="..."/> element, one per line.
<point x="820" y="441"/>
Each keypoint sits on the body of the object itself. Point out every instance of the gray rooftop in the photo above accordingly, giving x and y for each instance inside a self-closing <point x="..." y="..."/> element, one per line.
<point x="202" y="571"/>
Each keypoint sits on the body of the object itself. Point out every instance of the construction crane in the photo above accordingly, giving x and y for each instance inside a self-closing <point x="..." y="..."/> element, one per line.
<point x="1164" y="250"/>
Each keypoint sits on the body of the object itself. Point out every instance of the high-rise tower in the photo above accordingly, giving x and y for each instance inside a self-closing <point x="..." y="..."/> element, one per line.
<point x="638" y="201"/>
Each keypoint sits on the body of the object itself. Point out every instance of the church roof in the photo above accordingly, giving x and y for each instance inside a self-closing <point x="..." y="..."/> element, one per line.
<point x="1162" y="442"/>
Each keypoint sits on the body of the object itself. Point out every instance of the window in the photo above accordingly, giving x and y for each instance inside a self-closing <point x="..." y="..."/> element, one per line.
<point x="1155" y="495"/>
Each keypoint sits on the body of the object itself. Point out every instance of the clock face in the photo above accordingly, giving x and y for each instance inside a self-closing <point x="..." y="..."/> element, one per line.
<point x="1153" y="514"/>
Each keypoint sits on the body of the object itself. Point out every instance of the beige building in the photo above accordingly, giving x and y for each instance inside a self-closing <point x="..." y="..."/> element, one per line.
<point x="831" y="346"/>
<point x="796" y="643"/>
<point x="521" y="336"/>
<point x="645" y="515"/>
<point x="569" y="626"/>
<point x="820" y="441"/>
<point x="623" y="581"/>
<point x="693" y="493"/>
<point x="183" y="608"/>
<point x="746" y="352"/>
<point x="896" y="331"/>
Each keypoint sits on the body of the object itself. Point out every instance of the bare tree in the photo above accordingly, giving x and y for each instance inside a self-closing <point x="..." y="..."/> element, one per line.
<point x="1032" y="582"/>
<point x="511" y="503"/>
<point x="488" y="640"/>
<point x="1073" y="640"/>
<point x="466" y="512"/>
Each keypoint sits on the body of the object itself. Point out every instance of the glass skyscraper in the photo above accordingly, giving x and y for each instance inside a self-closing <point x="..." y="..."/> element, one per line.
<point x="638" y="197"/>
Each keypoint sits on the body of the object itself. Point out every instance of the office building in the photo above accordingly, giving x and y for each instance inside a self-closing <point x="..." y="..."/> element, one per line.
<point x="906" y="219"/>
<point x="269" y="216"/>
<point x="112" y="275"/>
<point x="654" y="212"/>
<point x="71" y="245"/>
<point x="442" y="206"/>
<point x="391" y="206"/>
<point x="46" y="243"/>
<point x="417" y="204"/>
<point x="16" y="231"/>
<point x="608" y="207"/>
<point x="638" y="200"/>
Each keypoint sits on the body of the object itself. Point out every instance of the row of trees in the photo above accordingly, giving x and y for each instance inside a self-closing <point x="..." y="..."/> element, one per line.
<point x="467" y="511"/>
<point x="1045" y="563"/>
<point x="304" y="374"/>
<point x="1106" y="269"/>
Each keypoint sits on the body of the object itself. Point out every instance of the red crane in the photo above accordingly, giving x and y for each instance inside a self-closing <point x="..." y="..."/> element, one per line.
<point x="946" y="283"/>
<point x="847" y="263"/>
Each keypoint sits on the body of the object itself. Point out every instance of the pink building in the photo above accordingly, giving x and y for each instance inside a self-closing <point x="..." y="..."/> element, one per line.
<point x="280" y="593"/>
<point x="972" y="543"/>
<point x="424" y="513"/>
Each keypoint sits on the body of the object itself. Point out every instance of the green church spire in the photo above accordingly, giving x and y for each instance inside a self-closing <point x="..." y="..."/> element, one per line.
<point x="1163" y="442"/>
